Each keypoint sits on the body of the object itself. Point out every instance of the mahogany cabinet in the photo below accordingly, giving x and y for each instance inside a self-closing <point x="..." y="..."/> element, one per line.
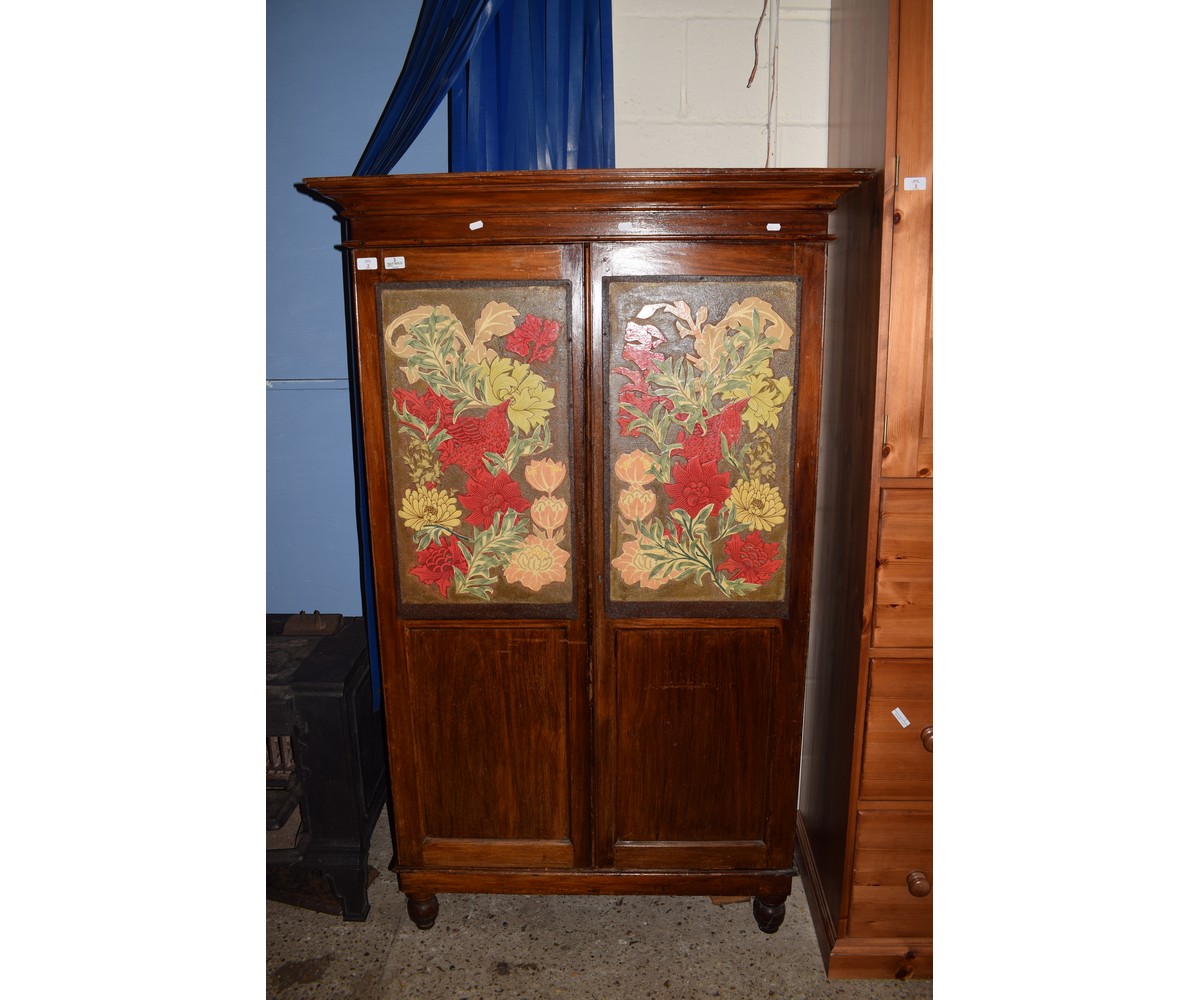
<point x="590" y="408"/>
<point x="865" y="820"/>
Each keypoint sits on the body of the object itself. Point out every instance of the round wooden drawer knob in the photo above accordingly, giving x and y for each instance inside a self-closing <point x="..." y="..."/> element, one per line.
<point x="927" y="738"/>
<point x="919" y="884"/>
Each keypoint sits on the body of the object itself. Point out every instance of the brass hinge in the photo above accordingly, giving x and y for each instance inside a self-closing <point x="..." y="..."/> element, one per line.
<point x="896" y="175"/>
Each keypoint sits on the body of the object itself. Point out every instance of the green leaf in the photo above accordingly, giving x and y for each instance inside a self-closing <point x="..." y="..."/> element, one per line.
<point x="690" y="554"/>
<point x="733" y="461"/>
<point x="430" y="535"/>
<point x="491" y="547"/>
<point x="736" y="588"/>
<point x="463" y="587"/>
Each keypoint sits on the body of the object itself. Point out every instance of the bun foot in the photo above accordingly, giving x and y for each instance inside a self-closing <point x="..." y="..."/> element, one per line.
<point x="769" y="912"/>
<point x="423" y="911"/>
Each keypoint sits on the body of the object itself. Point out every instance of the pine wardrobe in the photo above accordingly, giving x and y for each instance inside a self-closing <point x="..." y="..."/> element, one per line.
<point x="865" y="824"/>
<point x="590" y="406"/>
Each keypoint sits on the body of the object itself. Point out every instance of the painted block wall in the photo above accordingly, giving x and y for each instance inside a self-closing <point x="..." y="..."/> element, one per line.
<point x="680" y="73"/>
<point x="680" y="69"/>
<point x="331" y="65"/>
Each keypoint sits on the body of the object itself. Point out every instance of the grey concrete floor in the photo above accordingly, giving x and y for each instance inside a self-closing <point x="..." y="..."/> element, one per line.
<point x="562" y="947"/>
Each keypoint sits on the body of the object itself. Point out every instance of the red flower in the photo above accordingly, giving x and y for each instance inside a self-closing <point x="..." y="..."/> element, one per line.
<point x="489" y="495"/>
<point x="536" y="336"/>
<point x="430" y="408"/>
<point x="436" y="563"/>
<point x="704" y="442"/>
<point x="750" y="558"/>
<point x="697" y="484"/>
<point x="473" y="437"/>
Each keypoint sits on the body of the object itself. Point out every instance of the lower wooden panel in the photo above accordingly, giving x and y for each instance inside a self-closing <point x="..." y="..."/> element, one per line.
<point x="455" y="852"/>
<point x="490" y="711"/>
<point x="694" y="711"/>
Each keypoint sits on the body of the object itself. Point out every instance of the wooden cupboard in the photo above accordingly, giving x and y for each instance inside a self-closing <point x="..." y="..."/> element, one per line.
<point x="865" y="819"/>
<point x="590" y="408"/>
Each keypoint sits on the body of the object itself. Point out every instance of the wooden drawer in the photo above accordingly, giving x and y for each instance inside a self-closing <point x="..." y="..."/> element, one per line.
<point x="904" y="569"/>
<point x="889" y="847"/>
<point x="896" y="762"/>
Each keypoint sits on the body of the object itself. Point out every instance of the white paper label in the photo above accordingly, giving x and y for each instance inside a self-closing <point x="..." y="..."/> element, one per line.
<point x="392" y="263"/>
<point x="368" y="263"/>
<point x="901" y="718"/>
<point x="477" y="224"/>
<point x="772" y="227"/>
<point x="914" y="183"/>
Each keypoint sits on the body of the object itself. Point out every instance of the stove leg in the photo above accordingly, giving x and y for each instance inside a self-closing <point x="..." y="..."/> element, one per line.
<point x="350" y="886"/>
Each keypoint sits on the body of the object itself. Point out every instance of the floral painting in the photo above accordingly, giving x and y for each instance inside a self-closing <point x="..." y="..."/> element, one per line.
<point x="477" y="390"/>
<point x="701" y="375"/>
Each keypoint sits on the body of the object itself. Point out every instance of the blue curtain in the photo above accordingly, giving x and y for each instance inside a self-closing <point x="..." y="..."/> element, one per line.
<point x="446" y="33"/>
<point x="530" y="84"/>
<point x="537" y="92"/>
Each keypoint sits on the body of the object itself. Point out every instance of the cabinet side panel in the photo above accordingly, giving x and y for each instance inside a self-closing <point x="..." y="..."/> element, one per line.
<point x="490" y="711"/>
<point x="843" y="519"/>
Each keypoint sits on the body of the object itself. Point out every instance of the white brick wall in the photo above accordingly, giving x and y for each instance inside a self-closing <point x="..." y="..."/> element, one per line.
<point x="680" y="69"/>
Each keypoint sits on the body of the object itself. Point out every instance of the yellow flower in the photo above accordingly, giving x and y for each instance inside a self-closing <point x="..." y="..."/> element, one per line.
<point x="545" y="474"/>
<point x="636" y="503"/>
<point x="537" y="562"/>
<point x="548" y="513"/>
<point x="636" y="566"/>
<point x="427" y="508"/>
<point x="529" y="398"/>
<point x="635" y="468"/>
<point x="766" y="397"/>
<point x="757" y="504"/>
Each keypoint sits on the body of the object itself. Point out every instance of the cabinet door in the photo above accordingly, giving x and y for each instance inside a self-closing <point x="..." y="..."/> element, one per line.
<point x="471" y="366"/>
<point x="703" y="433"/>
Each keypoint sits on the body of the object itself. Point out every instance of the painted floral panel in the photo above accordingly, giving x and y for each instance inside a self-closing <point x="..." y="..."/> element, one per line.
<point x="477" y="385"/>
<point x="699" y="427"/>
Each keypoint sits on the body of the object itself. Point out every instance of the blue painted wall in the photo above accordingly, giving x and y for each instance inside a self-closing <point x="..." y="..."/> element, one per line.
<point x="331" y="65"/>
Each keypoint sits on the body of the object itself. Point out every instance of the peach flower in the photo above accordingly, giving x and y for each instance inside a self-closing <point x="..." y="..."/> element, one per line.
<point x="636" y="566"/>
<point x="537" y="562"/>
<point x="548" y="512"/>
<point x="636" y="503"/>
<point x="635" y="468"/>
<point x="545" y="474"/>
